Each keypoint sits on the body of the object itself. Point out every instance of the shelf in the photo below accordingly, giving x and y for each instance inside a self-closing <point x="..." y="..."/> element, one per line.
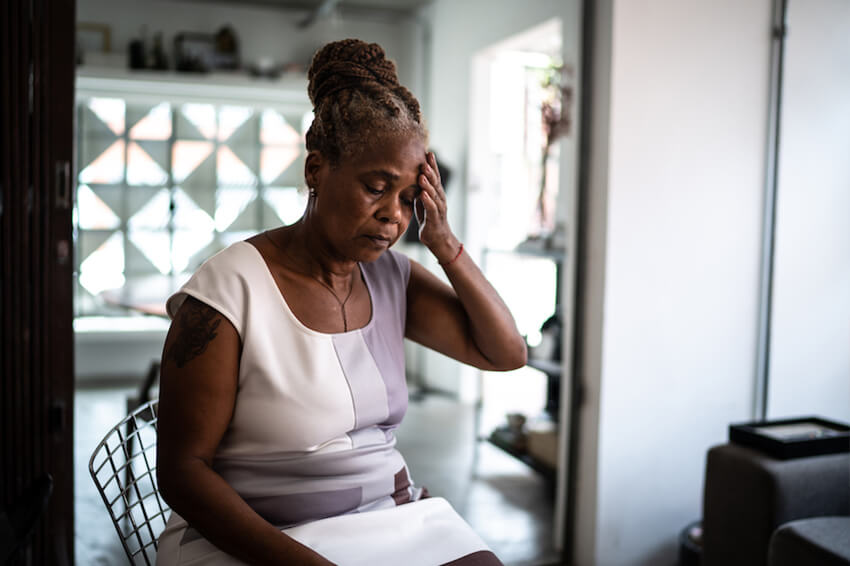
<point x="506" y="440"/>
<point x="287" y="93"/>
<point x="555" y="255"/>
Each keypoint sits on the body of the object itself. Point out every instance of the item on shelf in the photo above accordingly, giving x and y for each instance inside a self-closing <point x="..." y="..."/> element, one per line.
<point x="532" y="244"/>
<point x="158" y="59"/>
<point x="194" y="52"/>
<point x="266" y="68"/>
<point x="226" y="49"/>
<point x="136" y="54"/>
<point x="516" y="443"/>
<point x="542" y="442"/>
<point x="509" y="439"/>
<point x="558" y="238"/>
<point x="140" y="57"/>
<point x="92" y="38"/>
<point x="137" y="50"/>
<point x="556" y="121"/>
<point x="516" y="421"/>
<point x="550" y="339"/>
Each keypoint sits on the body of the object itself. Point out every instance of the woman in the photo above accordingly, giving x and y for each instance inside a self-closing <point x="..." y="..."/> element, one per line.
<point x="283" y="371"/>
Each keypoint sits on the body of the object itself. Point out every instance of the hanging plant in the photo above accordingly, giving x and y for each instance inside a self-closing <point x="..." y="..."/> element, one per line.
<point x="556" y="122"/>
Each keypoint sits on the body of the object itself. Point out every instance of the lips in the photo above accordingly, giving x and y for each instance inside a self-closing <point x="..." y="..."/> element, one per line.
<point x="380" y="239"/>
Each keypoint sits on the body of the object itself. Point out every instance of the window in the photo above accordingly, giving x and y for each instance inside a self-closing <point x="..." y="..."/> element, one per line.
<point x="162" y="187"/>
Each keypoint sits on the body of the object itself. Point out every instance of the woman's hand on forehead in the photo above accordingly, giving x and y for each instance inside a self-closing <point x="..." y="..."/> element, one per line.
<point x="431" y="212"/>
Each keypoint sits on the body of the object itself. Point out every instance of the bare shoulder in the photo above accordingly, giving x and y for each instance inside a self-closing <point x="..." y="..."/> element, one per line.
<point x="194" y="328"/>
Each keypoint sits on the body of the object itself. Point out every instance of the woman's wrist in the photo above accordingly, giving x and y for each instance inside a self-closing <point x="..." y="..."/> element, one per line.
<point x="454" y="259"/>
<point x="448" y="251"/>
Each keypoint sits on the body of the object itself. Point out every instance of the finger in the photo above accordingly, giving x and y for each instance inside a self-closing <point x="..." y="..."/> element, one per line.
<point x="432" y="185"/>
<point x="426" y="184"/>
<point x="432" y="209"/>
<point x="429" y="176"/>
<point x="429" y="169"/>
<point x="433" y="194"/>
<point x="432" y="161"/>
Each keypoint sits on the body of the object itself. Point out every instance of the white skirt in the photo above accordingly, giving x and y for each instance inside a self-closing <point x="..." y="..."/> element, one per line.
<point x="428" y="532"/>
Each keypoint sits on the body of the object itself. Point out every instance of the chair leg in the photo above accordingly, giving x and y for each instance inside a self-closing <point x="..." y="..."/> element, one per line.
<point x="128" y="471"/>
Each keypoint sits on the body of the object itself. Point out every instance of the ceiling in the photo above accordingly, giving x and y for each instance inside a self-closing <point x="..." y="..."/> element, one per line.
<point x="379" y="5"/>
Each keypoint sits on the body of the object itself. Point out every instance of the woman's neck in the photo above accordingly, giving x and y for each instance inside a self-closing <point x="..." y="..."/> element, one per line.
<point x="312" y="255"/>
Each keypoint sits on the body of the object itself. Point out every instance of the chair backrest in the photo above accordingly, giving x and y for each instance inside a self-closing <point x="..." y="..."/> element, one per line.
<point x="123" y="467"/>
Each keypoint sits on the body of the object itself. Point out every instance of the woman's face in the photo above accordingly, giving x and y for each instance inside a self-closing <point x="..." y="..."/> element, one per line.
<point x="364" y="204"/>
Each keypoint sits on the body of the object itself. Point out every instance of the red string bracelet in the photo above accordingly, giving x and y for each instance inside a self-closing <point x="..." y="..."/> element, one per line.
<point x="454" y="259"/>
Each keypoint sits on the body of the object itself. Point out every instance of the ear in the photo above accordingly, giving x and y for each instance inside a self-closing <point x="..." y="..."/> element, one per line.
<point x="313" y="168"/>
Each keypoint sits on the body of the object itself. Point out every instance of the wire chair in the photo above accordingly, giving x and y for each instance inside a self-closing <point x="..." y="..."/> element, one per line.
<point x="123" y="467"/>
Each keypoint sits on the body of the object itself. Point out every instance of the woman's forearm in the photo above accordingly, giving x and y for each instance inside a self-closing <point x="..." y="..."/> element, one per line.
<point x="491" y="324"/>
<point x="210" y="505"/>
<point x="485" y="318"/>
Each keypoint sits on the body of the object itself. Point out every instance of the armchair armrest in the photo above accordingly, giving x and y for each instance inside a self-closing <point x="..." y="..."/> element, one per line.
<point x="748" y="494"/>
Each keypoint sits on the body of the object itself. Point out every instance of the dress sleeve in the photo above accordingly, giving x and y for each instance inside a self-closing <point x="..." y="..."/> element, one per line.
<point x="221" y="283"/>
<point x="402" y="263"/>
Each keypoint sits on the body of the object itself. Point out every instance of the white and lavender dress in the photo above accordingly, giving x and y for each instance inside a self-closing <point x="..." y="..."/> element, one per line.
<point x="311" y="444"/>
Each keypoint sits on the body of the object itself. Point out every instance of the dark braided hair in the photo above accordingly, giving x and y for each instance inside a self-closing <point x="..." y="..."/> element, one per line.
<point x="356" y="96"/>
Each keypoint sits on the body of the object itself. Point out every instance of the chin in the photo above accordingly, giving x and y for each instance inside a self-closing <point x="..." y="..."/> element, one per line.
<point x="371" y="255"/>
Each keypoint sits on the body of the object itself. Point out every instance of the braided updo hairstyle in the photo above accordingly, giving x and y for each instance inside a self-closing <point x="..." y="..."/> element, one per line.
<point x="356" y="97"/>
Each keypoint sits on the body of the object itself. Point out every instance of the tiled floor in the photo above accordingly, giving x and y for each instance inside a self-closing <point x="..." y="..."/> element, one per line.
<point x="506" y="503"/>
<point x="95" y="412"/>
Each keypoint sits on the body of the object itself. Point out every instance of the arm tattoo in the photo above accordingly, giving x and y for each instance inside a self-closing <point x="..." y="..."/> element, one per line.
<point x="196" y="329"/>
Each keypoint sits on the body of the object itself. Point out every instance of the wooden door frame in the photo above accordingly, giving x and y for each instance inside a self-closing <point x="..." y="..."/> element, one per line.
<point x="36" y="266"/>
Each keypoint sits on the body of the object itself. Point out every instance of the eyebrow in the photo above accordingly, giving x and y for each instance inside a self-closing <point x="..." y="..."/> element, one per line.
<point x="383" y="173"/>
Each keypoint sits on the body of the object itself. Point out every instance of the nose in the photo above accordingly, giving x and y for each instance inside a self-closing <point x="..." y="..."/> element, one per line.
<point x="390" y="210"/>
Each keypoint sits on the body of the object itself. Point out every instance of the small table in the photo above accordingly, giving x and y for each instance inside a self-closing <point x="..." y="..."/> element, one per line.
<point x="146" y="295"/>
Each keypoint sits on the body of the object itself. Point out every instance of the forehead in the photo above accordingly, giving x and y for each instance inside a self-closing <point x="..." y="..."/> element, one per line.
<point x="400" y="154"/>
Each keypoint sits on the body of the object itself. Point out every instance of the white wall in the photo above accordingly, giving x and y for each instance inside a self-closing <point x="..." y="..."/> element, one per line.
<point x="677" y="205"/>
<point x="810" y="337"/>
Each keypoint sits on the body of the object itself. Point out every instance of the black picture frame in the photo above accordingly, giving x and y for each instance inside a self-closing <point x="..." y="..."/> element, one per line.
<point x="92" y="37"/>
<point x="194" y="52"/>
<point x="793" y="438"/>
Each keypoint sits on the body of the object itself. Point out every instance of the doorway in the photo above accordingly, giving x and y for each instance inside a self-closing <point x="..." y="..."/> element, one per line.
<point x="520" y="216"/>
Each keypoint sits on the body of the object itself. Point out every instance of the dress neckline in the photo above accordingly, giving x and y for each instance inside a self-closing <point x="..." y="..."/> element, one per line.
<point x="298" y="323"/>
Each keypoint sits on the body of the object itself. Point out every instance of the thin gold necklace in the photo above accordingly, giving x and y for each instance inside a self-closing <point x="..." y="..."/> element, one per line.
<point x="322" y="283"/>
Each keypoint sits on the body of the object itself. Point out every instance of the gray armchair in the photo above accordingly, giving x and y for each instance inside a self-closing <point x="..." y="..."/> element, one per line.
<point x="749" y="495"/>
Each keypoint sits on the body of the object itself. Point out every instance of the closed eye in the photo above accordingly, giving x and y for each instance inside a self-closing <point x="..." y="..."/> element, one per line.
<point x="408" y="199"/>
